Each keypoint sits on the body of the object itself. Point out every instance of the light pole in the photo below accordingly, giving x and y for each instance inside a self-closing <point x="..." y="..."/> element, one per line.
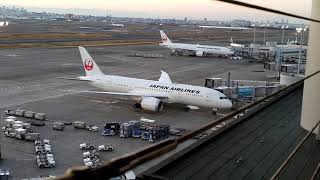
<point x="264" y="35"/>
<point x="254" y="35"/>
<point x="281" y="55"/>
<point x="300" y="30"/>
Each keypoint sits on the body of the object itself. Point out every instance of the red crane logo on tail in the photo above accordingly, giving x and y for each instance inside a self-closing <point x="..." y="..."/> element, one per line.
<point x="88" y="64"/>
<point x="164" y="39"/>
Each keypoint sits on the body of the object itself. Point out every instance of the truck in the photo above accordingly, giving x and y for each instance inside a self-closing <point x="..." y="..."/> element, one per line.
<point x="42" y="150"/>
<point x="159" y="132"/>
<point x="85" y="146"/>
<point x="105" y="147"/>
<point x="79" y="125"/>
<point x="41" y="142"/>
<point x="90" y="154"/>
<point x="10" y="112"/>
<point x="46" y="163"/>
<point x="110" y="129"/>
<point x="91" y="127"/>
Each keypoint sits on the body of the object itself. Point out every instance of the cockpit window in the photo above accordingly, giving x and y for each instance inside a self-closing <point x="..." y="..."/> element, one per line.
<point x="223" y="98"/>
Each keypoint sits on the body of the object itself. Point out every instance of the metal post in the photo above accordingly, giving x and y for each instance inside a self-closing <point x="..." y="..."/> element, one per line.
<point x="228" y="79"/>
<point x="2" y="122"/>
<point x="254" y="35"/>
<point x="318" y="135"/>
<point x="281" y="56"/>
<point x="264" y="35"/>
<point x="299" y="61"/>
<point x="302" y="41"/>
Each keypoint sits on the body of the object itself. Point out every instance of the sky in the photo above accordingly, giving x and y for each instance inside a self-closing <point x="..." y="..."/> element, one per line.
<point x="192" y="9"/>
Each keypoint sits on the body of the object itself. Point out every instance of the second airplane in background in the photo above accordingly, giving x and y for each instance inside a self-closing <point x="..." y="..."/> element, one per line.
<point x="195" y="49"/>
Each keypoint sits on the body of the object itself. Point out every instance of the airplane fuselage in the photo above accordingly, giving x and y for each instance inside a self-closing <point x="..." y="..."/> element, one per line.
<point x="177" y="93"/>
<point x="200" y="48"/>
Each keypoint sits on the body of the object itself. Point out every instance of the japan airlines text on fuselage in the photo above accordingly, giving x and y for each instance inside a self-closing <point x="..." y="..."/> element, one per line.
<point x="151" y="94"/>
<point x="197" y="49"/>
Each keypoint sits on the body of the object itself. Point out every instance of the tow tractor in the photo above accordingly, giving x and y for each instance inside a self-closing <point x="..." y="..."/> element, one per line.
<point x="111" y="129"/>
<point x="107" y="147"/>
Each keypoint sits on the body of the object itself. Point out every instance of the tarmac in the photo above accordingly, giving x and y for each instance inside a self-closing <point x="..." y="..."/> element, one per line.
<point x="29" y="81"/>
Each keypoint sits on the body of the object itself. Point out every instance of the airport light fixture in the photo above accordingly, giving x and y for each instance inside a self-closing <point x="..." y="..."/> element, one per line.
<point x="281" y="56"/>
<point x="301" y="31"/>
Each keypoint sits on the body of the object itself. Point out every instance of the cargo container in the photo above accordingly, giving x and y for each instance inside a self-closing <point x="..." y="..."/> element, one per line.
<point x="145" y="135"/>
<point x="29" y="114"/>
<point x="58" y="126"/>
<point x="111" y="129"/>
<point x="19" y="112"/>
<point x="79" y="125"/>
<point x="126" y="130"/>
<point x="137" y="133"/>
<point x="159" y="132"/>
<point x="40" y="116"/>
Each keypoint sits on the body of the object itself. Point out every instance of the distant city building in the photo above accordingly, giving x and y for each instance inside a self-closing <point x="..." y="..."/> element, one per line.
<point x="69" y="17"/>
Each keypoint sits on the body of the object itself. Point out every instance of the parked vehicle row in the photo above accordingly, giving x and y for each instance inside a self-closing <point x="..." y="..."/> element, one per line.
<point x="152" y="133"/>
<point x="18" y="129"/>
<point x="44" y="157"/>
<point x="90" y="146"/>
<point x="26" y="114"/>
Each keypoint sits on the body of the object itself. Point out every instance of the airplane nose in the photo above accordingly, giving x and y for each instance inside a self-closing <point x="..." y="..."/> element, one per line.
<point x="226" y="105"/>
<point x="229" y="105"/>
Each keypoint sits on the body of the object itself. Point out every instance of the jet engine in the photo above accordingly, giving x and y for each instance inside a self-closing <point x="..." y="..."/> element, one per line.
<point x="151" y="104"/>
<point x="199" y="53"/>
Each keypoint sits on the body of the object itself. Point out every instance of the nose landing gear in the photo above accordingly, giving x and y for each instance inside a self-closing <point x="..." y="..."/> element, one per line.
<point x="214" y="111"/>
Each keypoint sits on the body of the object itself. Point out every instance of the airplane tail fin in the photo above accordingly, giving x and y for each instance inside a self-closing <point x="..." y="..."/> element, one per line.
<point x="164" y="37"/>
<point x="90" y="67"/>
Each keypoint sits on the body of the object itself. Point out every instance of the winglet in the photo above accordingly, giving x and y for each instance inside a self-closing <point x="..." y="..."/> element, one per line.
<point x="164" y="77"/>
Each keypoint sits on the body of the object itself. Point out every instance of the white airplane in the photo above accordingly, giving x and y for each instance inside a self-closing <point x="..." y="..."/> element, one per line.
<point x="225" y="27"/>
<point x="232" y="44"/>
<point x="150" y="94"/>
<point x="196" y="49"/>
<point x="116" y="25"/>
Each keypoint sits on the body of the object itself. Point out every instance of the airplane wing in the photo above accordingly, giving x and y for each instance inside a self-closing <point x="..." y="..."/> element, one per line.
<point x="134" y="93"/>
<point x="73" y="79"/>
